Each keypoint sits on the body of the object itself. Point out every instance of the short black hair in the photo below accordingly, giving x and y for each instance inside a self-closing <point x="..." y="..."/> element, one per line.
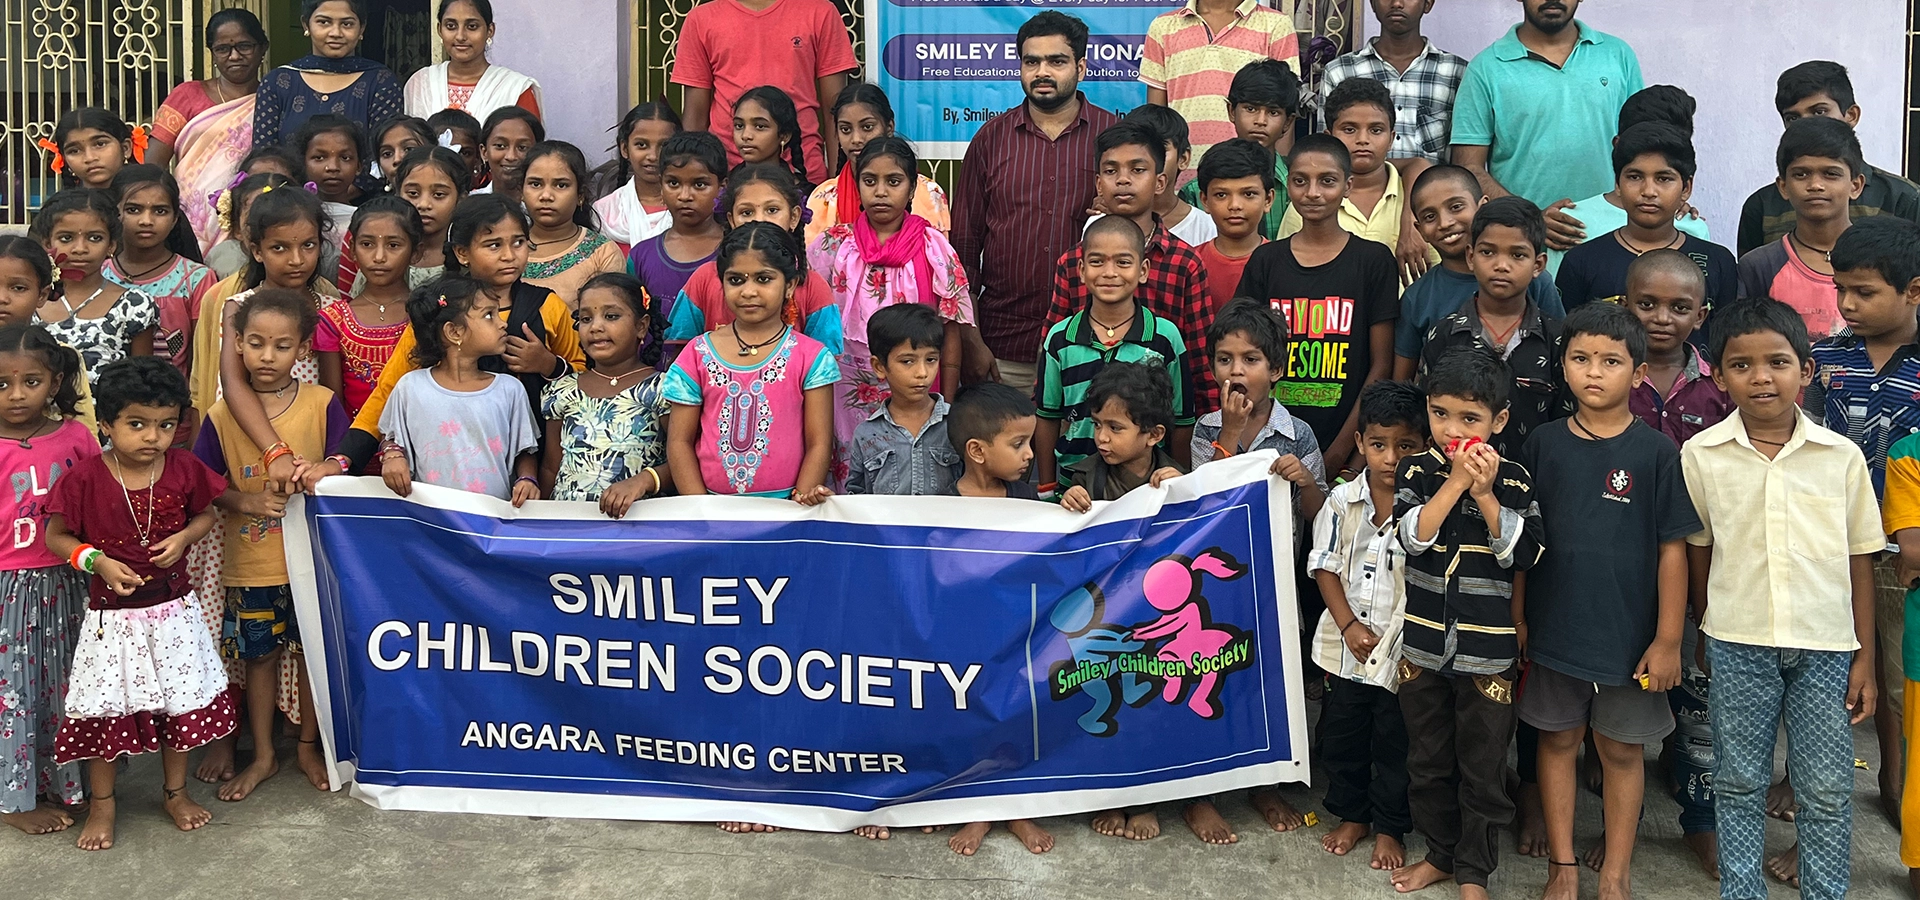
<point x="142" y="380"/>
<point x="1671" y="143"/>
<point x="1166" y="122"/>
<point x="1662" y="103"/>
<point x="1888" y="245"/>
<point x="1821" y="138"/>
<point x="1052" y="23"/>
<point x="1390" y="403"/>
<point x="1235" y="158"/>
<point x="1127" y="134"/>
<point x="1322" y="143"/>
<point x="1356" y="91"/>
<point x="1266" y="82"/>
<point x="1752" y="317"/>
<point x="912" y="324"/>
<point x="1446" y="172"/>
<point x="1255" y="319"/>
<point x="1120" y="225"/>
<point x="1473" y="374"/>
<point x="1607" y="320"/>
<point x="1817" y="76"/>
<point x="1146" y="391"/>
<point x="1514" y="212"/>
<point x="982" y="411"/>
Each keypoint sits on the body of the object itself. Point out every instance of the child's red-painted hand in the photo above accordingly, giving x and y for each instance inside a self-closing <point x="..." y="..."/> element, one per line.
<point x="1076" y="499"/>
<point x="168" y="550"/>
<point x="1861" y="693"/>
<point x="119" y="578"/>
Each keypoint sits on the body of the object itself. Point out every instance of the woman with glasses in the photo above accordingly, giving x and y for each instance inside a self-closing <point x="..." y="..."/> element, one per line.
<point x="204" y="128"/>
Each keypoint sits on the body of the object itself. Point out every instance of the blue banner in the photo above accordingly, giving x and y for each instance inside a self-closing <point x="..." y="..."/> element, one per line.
<point x="855" y="663"/>
<point x="950" y="65"/>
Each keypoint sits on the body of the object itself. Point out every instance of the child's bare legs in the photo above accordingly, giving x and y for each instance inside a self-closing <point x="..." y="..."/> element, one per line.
<point x="1625" y="789"/>
<point x="98" y="833"/>
<point x="187" y="814"/>
<point x="966" y="841"/>
<point x="262" y="674"/>
<point x="1559" y="751"/>
<point x="44" y="818"/>
<point x="1207" y="823"/>
<point x="216" y="761"/>
<point x="312" y="762"/>
<point x="1280" y="815"/>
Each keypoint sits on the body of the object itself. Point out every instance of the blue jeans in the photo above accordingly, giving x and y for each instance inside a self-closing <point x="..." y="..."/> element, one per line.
<point x="1754" y="688"/>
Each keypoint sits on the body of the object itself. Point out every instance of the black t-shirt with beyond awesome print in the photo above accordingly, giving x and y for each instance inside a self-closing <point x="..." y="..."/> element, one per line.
<point x="1329" y="310"/>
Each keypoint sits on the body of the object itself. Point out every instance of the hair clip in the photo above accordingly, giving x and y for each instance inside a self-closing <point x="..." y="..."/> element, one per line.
<point x="139" y="143"/>
<point x="443" y="300"/>
<point x="267" y="190"/>
<point x="806" y="215"/>
<point x="311" y="187"/>
<point x="59" y="162"/>
<point x="373" y="169"/>
<point x="446" y="140"/>
<point x="720" y="205"/>
<point x="238" y="177"/>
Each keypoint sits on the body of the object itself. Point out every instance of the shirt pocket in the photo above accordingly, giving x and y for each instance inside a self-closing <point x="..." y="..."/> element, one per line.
<point x="945" y="456"/>
<point x="1816" y="526"/>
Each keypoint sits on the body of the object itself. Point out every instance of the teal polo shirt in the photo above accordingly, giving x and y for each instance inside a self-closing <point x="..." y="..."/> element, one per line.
<point x="1550" y="127"/>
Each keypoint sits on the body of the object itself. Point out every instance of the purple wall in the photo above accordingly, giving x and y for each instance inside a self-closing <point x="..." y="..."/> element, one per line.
<point x="574" y="48"/>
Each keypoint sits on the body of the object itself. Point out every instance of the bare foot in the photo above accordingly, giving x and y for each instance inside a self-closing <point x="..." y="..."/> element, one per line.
<point x="1532" y="826"/>
<point x="216" y="764"/>
<point x="1388" y="853"/>
<point x="1418" y="876"/>
<point x="1616" y="889"/>
<point x="1597" y="857"/>
<point x="1111" y="822"/>
<point x="313" y="764"/>
<point x="746" y="828"/>
<point x="1706" y="846"/>
<point x="1472" y="892"/>
<point x="1785" y="868"/>
<point x="929" y="829"/>
<point x="1280" y="815"/>
<point x="1780" y="803"/>
<point x="1031" y="834"/>
<point x="873" y="832"/>
<point x="42" y="819"/>
<point x="98" y="833"/>
<point x="1563" y="882"/>
<point x="1341" y="840"/>
<point x="967" y="840"/>
<point x="187" y="815"/>
<point x="1143" y="826"/>
<point x="263" y="767"/>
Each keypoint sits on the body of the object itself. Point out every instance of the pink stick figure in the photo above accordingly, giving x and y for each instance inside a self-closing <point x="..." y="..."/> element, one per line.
<point x="1173" y="588"/>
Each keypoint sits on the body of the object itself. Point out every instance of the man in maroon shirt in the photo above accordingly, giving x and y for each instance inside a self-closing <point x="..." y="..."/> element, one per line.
<point x="1022" y="199"/>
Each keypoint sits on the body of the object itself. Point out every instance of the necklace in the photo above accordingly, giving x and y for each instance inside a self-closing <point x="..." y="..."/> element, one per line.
<point x="382" y="307"/>
<point x="26" y="443"/>
<point x="73" y="313"/>
<point x="146" y="530"/>
<point x="1826" y="254"/>
<point x="615" y="379"/>
<point x="747" y="349"/>
<point x="1679" y="238"/>
<point x="1114" y="327"/>
<point x="1500" y="338"/>
<point x="218" y="85"/>
<point x="161" y="265"/>
<point x="1590" y="432"/>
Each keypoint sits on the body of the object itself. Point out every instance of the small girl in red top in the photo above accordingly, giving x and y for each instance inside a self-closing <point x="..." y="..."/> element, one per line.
<point x="146" y="675"/>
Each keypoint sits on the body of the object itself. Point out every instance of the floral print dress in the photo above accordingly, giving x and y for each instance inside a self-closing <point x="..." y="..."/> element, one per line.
<point x="605" y="440"/>
<point x="107" y="338"/>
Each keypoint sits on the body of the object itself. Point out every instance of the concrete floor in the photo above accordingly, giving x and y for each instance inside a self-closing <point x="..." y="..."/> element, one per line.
<point x="294" y="842"/>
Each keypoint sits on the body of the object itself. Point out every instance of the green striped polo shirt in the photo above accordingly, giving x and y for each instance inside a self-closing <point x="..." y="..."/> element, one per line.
<point x="1071" y="355"/>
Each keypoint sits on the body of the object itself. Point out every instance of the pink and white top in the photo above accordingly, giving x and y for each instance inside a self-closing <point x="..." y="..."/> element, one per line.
<point x="30" y="473"/>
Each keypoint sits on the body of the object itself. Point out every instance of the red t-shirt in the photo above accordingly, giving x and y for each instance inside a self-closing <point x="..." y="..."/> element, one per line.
<point x="789" y="45"/>
<point x="1223" y="279"/>
<point x="99" y="511"/>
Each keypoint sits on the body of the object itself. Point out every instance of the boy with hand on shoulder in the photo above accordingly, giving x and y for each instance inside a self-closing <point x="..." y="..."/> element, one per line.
<point x="1781" y="579"/>
<point x="1236" y="188"/>
<point x="902" y="448"/>
<point x="1178" y="216"/>
<point x="1821" y="173"/>
<point x="1262" y="103"/>
<point x="1360" y="113"/>
<point x="1603" y="630"/>
<point x="1338" y="294"/>
<point x="1445" y="199"/>
<point x="1508" y="254"/>
<point x="1667" y="292"/>
<point x="1112" y="325"/>
<point x="1468" y="522"/>
<point x="1653" y="167"/>
<point x="1360" y="568"/>
<point x="1132" y="407"/>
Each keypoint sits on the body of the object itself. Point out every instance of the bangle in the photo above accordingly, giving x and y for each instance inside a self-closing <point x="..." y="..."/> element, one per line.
<point x="527" y="478"/>
<point x="73" y="559"/>
<point x="91" y="559"/>
<point x="346" y="465"/>
<point x="656" y="479"/>
<point x="1350" y="624"/>
<point x="274" y="453"/>
<point x="560" y="369"/>
<point x="1224" y="452"/>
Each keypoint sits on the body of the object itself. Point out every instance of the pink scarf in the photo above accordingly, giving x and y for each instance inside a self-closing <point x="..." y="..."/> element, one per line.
<point x="909" y="246"/>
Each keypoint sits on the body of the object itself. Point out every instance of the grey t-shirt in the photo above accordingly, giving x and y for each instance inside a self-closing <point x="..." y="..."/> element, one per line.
<point x="463" y="440"/>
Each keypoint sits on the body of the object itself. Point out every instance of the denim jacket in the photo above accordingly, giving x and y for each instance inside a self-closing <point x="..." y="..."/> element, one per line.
<point x="886" y="459"/>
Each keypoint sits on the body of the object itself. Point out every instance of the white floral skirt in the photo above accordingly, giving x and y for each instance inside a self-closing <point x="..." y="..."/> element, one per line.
<point x="141" y="678"/>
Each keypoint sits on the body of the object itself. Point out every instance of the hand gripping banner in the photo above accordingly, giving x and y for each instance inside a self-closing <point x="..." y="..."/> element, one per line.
<point x="875" y="660"/>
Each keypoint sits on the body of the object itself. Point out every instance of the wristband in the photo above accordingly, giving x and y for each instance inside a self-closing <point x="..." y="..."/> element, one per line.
<point x="1224" y="452"/>
<point x="346" y="465"/>
<point x="73" y="559"/>
<point x="1350" y="624"/>
<point x="527" y="478"/>
<point x="91" y="559"/>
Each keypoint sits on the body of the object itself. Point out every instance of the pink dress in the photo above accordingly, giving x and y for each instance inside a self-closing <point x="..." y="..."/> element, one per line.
<point x="752" y="418"/>
<point x="176" y="291"/>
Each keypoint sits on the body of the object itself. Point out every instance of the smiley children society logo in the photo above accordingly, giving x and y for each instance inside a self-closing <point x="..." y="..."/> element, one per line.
<point x="1182" y="654"/>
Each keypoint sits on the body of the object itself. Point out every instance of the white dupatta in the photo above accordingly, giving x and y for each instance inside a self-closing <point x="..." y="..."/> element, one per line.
<point x="499" y="86"/>
<point x="624" y="219"/>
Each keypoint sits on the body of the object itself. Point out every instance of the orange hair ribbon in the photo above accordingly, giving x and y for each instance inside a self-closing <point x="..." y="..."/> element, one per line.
<point x="139" y="142"/>
<point x="59" y="162"/>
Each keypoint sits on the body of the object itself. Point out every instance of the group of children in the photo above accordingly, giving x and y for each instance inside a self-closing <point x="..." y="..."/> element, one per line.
<point x="479" y="320"/>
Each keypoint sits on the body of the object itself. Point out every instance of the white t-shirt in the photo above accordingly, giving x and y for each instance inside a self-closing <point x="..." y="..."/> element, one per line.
<point x="465" y="440"/>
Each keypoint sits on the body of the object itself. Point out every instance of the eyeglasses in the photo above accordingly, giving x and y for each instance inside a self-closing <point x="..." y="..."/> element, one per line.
<point x="243" y="48"/>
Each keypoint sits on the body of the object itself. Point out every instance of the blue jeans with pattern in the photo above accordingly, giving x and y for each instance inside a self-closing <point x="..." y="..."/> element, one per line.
<point x="1808" y="689"/>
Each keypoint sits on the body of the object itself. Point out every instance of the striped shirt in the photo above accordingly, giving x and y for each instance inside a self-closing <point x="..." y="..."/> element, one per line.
<point x="1175" y="288"/>
<point x="1195" y="66"/>
<point x="1422" y="96"/>
<point x="1460" y="582"/>
<point x="1873" y="408"/>
<point x="1020" y="204"/>
<point x="1072" y="356"/>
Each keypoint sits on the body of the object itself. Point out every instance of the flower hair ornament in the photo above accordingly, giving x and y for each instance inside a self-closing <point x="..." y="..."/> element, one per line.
<point x="446" y="140"/>
<point x="59" y="162"/>
<point x="442" y="300"/>
<point x="222" y="199"/>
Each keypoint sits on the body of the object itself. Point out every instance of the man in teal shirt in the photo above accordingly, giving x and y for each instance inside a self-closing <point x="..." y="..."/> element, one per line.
<point x="1537" y="111"/>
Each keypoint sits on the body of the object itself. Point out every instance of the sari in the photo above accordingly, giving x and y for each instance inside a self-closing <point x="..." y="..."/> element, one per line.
<point x="207" y="154"/>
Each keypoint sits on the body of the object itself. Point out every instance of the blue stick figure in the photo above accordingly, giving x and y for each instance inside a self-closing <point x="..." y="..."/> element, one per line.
<point x="1078" y="615"/>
